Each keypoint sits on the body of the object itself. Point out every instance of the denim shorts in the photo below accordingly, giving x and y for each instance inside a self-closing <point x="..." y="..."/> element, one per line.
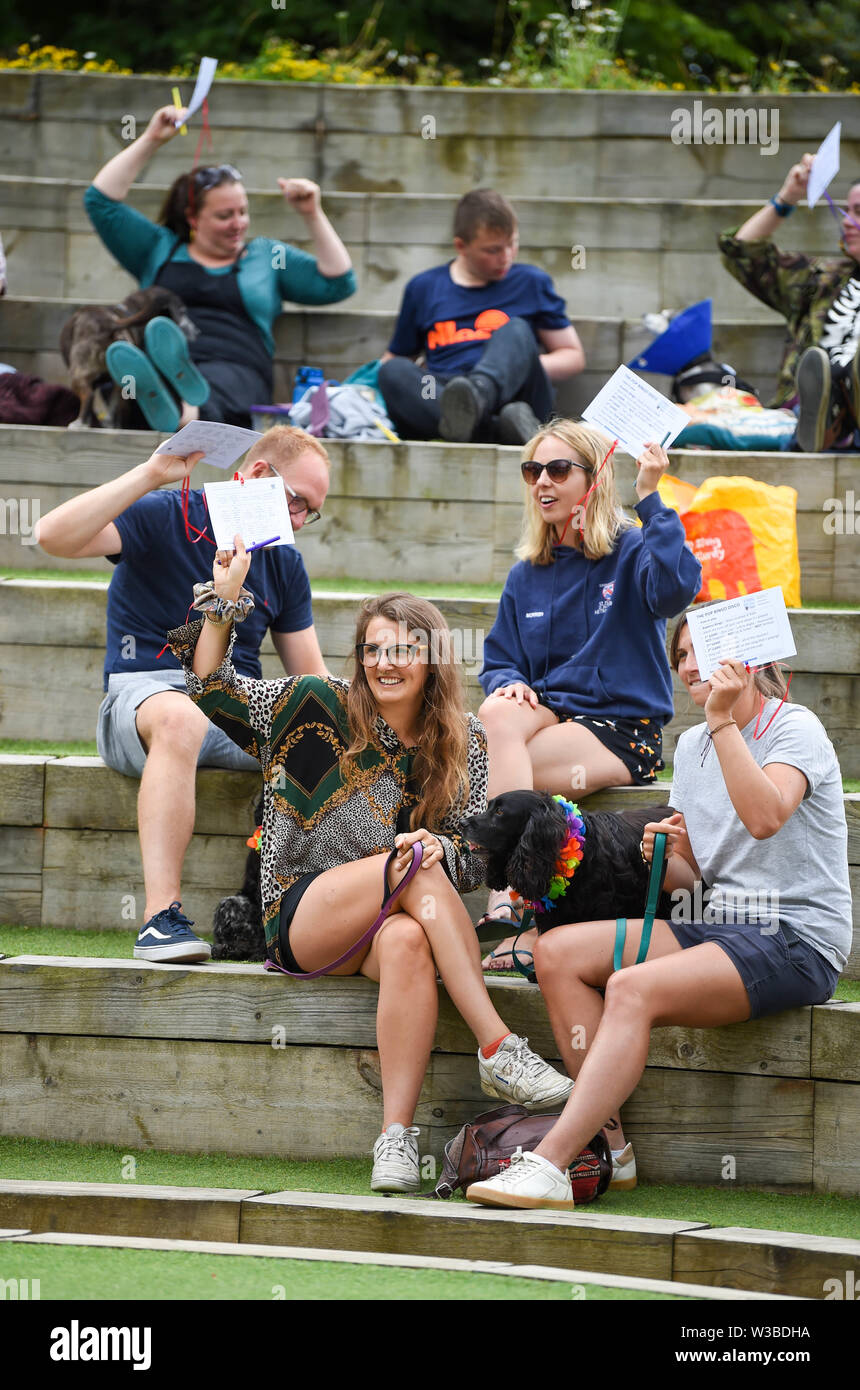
<point x="778" y="969"/>
<point x="117" y="738"/>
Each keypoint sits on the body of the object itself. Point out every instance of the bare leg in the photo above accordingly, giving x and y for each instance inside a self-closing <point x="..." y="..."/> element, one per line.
<point x="341" y="904"/>
<point x="696" y="988"/>
<point x="570" y="760"/>
<point x="401" y="960"/>
<point x="172" y="730"/>
<point x="189" y="413"/>
<point x="575" y="963"/>
<point x="509" y="727"/>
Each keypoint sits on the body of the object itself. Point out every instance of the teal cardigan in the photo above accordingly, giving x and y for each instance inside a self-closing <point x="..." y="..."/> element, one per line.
<point x="142" y="247"/>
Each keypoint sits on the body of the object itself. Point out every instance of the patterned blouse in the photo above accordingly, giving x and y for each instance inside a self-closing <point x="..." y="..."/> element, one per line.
<point x="312" y="817"/>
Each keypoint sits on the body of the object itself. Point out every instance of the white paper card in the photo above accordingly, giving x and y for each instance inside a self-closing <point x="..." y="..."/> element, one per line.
<point x="255" y="510"/>
<point x="205" y="74"/>
<point x="825" y="165"/>
<point x="753" y="628"/>
<point x="632" y="412"/>
<point x="222" y="444"/>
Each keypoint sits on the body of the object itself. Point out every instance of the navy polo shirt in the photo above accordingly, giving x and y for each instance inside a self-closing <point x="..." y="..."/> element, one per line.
<point x="152" y="587"/>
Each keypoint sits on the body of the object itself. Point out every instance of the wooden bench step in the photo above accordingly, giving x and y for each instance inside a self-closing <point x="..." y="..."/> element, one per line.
<point x="233" y="1059"/>
<point x="118" y="1208"/>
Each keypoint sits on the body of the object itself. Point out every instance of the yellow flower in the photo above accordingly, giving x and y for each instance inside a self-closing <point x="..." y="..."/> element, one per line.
<point x="774" y="67"/>
<point x="678" y="87"/>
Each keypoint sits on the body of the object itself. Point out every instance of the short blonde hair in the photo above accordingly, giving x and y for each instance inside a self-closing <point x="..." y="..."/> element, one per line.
<point x="604" y="518"/>
<point x="283" y="444"/>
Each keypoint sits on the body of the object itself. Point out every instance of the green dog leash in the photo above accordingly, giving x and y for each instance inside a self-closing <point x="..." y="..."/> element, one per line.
<point x="655" y="884"/>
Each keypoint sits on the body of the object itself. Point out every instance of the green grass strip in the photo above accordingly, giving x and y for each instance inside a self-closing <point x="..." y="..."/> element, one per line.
<point x="814" y="1213"/>
<point x="61" y="941"/>
<point x="50" y="747"/>
<point x="352" y="584"/>
<point x="83" y="1272"/>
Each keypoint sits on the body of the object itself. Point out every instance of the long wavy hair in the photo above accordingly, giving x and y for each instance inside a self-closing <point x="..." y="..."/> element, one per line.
<point x="769" y="681"/>
<point x="440" y="769"/>
<point x="604" y="518"/>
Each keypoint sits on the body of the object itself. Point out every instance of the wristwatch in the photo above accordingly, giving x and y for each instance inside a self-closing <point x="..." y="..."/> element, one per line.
<point x="780" y="208"/>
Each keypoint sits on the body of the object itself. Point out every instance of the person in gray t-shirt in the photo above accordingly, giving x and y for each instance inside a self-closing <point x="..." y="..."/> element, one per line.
<point x="760" y="824"/>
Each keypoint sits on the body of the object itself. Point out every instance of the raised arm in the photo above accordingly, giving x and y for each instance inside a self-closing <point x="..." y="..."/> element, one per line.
<point x="764" y="223"/>
<point x="84" y="527"/>
<point x="332" y="257"/>
<point x="117" y="176"/>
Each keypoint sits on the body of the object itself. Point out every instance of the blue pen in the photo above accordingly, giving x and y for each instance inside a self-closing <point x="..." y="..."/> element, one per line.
<point x="665" y="437"/>
<point x="260" y="544"/>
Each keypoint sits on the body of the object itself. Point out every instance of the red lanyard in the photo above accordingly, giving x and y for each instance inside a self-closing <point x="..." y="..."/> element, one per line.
<point x="756" y="733"/>
<point x="580" y="506"/>
<point x="189" y="525"/>
<point x="205" y="134"/>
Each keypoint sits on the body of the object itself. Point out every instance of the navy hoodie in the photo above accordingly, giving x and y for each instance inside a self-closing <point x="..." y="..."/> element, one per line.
<point x="589" y="636"/>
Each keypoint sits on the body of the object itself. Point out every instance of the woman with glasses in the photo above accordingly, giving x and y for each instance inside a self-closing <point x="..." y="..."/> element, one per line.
<point x="761" y="825"/>
<point x="819" y="298"/>
<point x="356" y="771"/>
<point x="231" y="287"/>
<point x="575" y="671"/>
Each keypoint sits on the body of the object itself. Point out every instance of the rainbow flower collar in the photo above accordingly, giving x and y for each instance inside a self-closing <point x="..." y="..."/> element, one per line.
<point x="569" y="858"/>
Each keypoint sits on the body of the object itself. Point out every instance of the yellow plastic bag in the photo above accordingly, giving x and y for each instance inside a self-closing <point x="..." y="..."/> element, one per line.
<point x="744" y="533"/>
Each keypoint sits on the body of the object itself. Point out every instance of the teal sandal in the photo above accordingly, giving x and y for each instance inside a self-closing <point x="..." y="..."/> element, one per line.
<point x="138" y="380"/>
<point x="167" y="346"/>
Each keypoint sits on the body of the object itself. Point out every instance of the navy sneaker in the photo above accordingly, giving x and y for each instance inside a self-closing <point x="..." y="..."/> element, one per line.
<point x="168" y="936"/>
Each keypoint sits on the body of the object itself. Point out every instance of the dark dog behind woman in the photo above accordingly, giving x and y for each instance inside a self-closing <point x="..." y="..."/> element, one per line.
<point x="351" y="770"/>
<point x="761" y="821"/>
<point x="232" y="287"/>
<point x="575" y="671"/>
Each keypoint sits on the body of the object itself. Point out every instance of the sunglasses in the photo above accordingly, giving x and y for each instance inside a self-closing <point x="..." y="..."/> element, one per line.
<point x="210" y="175"/>
<point x="558" y="469"/>
<point x="402" y="654"/>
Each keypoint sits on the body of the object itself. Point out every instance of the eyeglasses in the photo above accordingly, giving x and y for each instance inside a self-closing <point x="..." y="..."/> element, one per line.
<point x="209" y="175"/>
<point x="402" y="654"/>
<point x="298" y="506"/>
<point x="558" y="469"/>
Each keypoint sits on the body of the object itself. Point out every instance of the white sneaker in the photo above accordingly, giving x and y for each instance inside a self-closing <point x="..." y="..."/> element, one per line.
<point x="517" y="1074"/>
<point x="395" y="1160"/>
<point x="623" y="1169"/>
<point x="530" y="1181"/>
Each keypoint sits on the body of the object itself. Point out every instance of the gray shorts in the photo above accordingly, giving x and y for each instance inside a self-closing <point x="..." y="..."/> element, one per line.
<point x="117" y="738"/>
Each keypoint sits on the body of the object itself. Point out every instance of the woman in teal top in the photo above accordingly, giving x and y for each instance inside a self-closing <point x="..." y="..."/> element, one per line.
<point x="232" y="289"/>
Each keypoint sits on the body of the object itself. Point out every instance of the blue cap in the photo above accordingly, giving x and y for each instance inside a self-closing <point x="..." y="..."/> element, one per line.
<point x="687" y="337"/>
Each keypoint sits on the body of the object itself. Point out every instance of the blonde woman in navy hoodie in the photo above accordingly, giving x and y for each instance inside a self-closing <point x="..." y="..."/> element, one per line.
<point x="575" y="672"/>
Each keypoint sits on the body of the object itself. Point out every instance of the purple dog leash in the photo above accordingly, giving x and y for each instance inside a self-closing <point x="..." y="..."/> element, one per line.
<point x="417" y="856"/>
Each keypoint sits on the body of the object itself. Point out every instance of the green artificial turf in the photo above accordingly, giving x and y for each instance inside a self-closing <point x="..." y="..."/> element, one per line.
<point x="43" y="1160"/>
<point x="351" y="584"/>
<point x="48" y="747"/>
<point x="98" y="1272"/>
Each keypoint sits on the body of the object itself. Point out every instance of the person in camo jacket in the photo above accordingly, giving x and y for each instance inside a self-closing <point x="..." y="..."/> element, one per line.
<point x="819" y="298"/>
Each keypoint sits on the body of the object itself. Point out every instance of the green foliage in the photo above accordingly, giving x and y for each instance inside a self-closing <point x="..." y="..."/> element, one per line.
<point x="708" y="45"/>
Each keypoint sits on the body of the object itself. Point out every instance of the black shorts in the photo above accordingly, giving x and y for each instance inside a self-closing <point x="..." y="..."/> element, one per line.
<point x="778" y="969"/>
<point x="637" y="742"/>
<point x="280" y="950"/>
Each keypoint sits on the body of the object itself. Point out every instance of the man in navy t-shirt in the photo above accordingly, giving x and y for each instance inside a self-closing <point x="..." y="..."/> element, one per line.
<point x="148" y="727"/>
<point x="494" y="335"/>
